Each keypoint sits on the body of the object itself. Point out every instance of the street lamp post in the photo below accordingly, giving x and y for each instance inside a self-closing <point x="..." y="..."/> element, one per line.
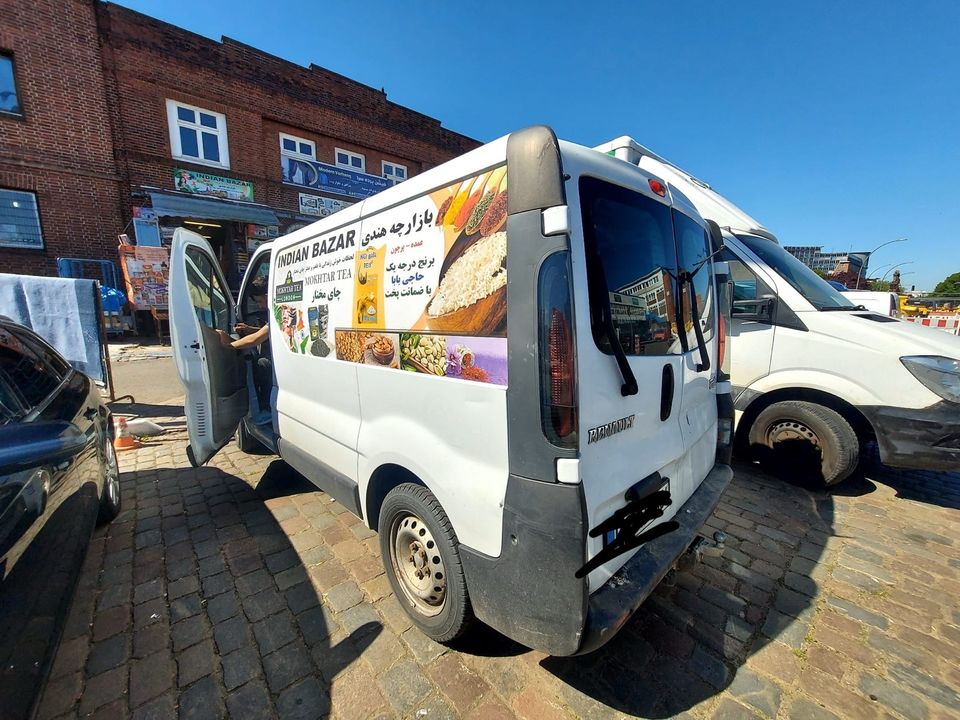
<point x="889" y="242"/>
<point x="884" y="277"/>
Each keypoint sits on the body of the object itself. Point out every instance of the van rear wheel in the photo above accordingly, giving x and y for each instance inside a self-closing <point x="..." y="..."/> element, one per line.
<point x="422" y="560"/>
<point x="804" y="442"/>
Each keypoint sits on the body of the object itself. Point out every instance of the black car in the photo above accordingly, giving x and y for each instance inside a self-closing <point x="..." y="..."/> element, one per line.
<point x="58" y="477"/>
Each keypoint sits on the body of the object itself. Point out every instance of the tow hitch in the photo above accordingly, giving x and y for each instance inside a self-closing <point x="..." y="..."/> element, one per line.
<point x="701" y="547"/>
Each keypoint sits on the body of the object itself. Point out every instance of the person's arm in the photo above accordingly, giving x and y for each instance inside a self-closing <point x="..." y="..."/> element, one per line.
<point x="250" y="341"/>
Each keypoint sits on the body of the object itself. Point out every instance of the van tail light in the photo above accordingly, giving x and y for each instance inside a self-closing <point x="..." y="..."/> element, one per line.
<point x="563" y="411"/>
<point x="558" y="356"/>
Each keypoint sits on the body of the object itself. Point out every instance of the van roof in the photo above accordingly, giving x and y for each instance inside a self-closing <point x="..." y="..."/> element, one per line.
<point x="612" y="169"/>
<point x="709" y="203"/>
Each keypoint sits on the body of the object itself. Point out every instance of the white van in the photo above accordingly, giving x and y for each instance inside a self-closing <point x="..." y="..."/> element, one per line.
<point x="885" y="303"/>
<point x="493" y="380"/>
<point x="815" y="377"/>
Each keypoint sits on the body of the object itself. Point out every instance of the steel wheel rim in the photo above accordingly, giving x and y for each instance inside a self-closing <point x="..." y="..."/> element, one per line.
<point x="786" y="430"/>
<point x="418" y="565"/>
<point x="112" y="475"/>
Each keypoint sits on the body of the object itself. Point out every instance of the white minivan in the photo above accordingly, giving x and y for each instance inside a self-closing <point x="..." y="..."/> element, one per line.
<point x="518" y="388"/>
<point x="815" y="376"/>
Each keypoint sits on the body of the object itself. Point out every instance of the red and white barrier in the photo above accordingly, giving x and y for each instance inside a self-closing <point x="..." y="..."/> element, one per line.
<point x="947" y="323"/>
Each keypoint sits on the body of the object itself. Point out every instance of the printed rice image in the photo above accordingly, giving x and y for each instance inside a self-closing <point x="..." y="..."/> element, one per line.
<point x="351" y="345"/>
<point x="478" y="273"/>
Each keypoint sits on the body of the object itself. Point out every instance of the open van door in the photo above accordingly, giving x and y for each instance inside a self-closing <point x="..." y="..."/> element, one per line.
<point x="213" y="376"/>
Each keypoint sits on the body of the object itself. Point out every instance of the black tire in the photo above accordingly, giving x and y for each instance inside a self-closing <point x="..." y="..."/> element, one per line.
<point x="110" y="500"/>
<point x="804" y="443"/>
<point x="449" y="614"/>
<point x="246" y="442"/>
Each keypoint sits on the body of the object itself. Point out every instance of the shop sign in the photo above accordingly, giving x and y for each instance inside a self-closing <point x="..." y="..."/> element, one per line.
<point x="320" y="206"/>
<point x="333" y="179"/>
<point x="265" y="232"/>
<point x="253" y="243"/>
<point x="200" y="183"/>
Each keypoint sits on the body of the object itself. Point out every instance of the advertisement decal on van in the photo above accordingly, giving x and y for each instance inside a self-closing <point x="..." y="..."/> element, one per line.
<point x="420" y="287"/>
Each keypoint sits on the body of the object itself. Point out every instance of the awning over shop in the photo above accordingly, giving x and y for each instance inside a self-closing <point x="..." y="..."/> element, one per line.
<point x="207" y="209"/>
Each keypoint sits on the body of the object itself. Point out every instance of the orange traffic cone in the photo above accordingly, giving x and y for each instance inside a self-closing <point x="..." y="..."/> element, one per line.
<point x="124" y="440"/>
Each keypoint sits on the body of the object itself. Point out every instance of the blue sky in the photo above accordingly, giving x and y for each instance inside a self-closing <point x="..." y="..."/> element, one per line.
<point x="834" y="124"/>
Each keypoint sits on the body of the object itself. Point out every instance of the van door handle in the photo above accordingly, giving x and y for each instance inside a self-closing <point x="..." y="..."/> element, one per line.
<point x="666" y="393"/>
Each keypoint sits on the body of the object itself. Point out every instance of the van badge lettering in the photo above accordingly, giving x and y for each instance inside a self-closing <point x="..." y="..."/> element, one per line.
<point x="611" y="428"/>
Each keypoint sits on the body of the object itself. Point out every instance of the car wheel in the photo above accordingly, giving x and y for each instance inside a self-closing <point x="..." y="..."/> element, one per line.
<point x="110" y="496"/>
<point x="804" y="442"/>
<point x="245" y="441"/>
<point x="422" y="560"/>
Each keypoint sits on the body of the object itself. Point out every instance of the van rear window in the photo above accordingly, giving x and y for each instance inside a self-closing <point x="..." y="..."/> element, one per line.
<point x="632" y="258"/>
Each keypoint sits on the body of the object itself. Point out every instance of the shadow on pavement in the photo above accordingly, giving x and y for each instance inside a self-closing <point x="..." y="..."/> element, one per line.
<point x="200" y="590"/>
<point x="691" y="640"/>
<point x="933" y="488"/>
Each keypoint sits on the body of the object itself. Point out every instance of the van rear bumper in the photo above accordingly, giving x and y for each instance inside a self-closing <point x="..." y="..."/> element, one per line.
<point x="920" y="438"/>
<point x="613" y="604"/>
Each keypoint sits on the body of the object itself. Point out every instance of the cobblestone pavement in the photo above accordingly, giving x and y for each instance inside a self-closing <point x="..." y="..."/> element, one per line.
<point x="240" y="590"/>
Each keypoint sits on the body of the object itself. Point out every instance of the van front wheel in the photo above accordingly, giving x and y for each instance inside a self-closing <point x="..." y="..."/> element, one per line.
<point x="803" y="442"/>
<point x="421" y="557"/>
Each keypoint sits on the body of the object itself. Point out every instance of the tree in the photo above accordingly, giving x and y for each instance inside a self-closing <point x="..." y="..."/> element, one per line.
<point x="950" y="285"/>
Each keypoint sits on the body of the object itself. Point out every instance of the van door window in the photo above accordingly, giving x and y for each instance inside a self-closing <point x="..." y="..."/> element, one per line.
<point x="208" y="297"/>
<point x="253" y="304"/>
<point x="631" y="257"/>
<point x="693" y="245"/>
<point x="747" y="287"/>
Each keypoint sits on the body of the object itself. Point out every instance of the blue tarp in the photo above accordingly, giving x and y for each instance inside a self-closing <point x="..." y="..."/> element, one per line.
<point x="63" y="311"/>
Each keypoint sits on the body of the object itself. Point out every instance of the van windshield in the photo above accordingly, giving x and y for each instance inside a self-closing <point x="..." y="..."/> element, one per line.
<point x="805" y="281"/>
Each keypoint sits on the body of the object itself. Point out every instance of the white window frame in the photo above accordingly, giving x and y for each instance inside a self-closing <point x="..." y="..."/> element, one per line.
<point x="350" y="155"/>
<point x="391" y="176"/>
<point x="297" y="154"/>
<point x="175" y="123"/>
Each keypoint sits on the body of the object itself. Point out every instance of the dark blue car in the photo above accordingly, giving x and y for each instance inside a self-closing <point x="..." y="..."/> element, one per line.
<point x="58" y="477"/>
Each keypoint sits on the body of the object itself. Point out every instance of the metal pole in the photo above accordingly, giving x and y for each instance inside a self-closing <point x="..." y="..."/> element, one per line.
<point x="889" y="242"/>
<point x="908" y="262"/>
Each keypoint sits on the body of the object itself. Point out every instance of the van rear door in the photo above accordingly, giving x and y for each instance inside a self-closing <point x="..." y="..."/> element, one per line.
<point x="213" y="376"/>
<point x="631" y="267"/>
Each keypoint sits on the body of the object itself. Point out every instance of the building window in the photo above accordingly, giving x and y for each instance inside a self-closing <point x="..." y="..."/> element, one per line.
<point x="9" y="101"/>
<point x="19" y="220"/>
<point x="394" y="172"/>
<point x="198" y="135"/>
<point x="296" y="147"/>
<point x="353" y="161"/>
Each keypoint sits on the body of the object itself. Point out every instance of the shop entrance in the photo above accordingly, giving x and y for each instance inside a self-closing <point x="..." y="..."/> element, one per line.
<point x="223" y="236"/>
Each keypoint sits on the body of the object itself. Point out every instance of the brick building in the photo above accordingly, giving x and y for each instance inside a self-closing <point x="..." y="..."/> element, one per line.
<point x="59" y="185"/>
<point x="215" y="136"/>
